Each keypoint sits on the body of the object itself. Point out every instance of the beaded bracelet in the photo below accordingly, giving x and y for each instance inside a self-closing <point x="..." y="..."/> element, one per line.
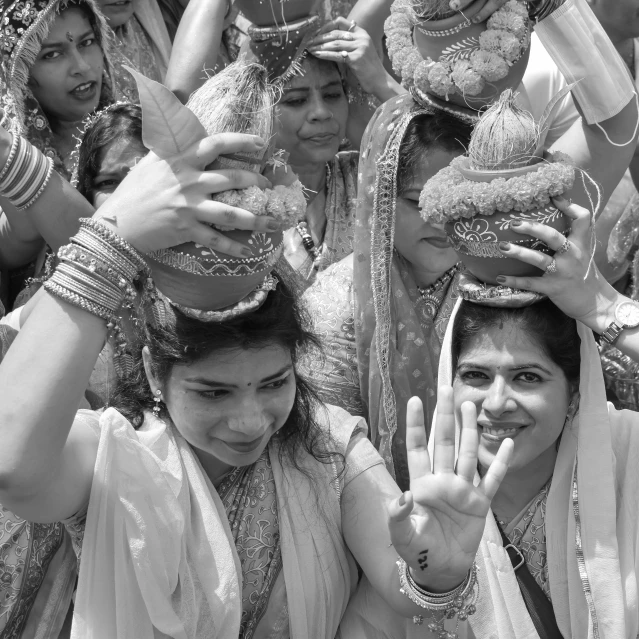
<point x="459" y="603"/>
<point x="25" y="174"/>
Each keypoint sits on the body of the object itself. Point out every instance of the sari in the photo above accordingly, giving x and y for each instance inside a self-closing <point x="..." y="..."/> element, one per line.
<point x="381" y="345"/>
<point x="341" y="200"/>
<point x="165" y="554"/>
<point x="590" y="533"/>
<point x="24" y="30"/>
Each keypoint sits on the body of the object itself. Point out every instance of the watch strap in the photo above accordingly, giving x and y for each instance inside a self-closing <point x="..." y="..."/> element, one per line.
<point x="612" y="333"/>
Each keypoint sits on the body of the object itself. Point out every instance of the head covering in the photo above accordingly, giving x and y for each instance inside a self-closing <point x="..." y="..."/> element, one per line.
<point x="25" y="25"/>
<point x="397" y="341"/>
<point x="581" y="529"/>
<point x="281" y="49"/>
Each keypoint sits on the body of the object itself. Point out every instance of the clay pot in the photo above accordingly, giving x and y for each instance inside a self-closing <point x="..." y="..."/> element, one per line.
<point x="264" y="13"/>
<point x="209" y="284"/>
<point x="476" y="240"/>
<point x="458" y="45"/>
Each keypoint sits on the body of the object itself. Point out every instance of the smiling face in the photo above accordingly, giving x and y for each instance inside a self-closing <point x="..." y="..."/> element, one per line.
<point x="312" y="114"/>
<point x="66" y="78"/>
<point x="117" y="12"/>
<point x="116" y="160"/>
<point x="229" y="404"/>
<point x="425" y="247"/>
<point x="519" y="392"/>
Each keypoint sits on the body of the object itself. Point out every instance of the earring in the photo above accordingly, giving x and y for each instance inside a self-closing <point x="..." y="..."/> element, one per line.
<point x="157" y="399"/>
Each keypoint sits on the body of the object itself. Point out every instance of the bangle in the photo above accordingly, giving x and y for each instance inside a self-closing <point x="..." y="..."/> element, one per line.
<point x="459" y="602"/>
<point x="543" y="8"/>
<point x="25" y="175"/>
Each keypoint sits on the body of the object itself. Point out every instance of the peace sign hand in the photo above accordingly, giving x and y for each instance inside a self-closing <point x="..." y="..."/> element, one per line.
<point x="437" y="526"/>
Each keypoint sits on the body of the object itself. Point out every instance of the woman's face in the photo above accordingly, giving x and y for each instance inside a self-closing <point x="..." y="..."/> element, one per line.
<point x="117" y="12"/>
<point x="312" y="114"/>
<point x="116" y="160"/>
<point x="66" y="78"/>
<point x="229" y="404"/>
<point x="519" y="393"/>
<point x="425" y="247"/>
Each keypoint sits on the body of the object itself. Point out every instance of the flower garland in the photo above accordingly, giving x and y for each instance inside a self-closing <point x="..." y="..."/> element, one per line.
<point x="502" y="44"/>
<point x="449" y="195"/>
<point x="285" y="203"/>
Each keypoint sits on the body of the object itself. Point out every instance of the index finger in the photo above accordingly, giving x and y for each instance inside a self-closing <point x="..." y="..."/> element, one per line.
<point x="208" y="149"/>
<point x="416" y="442"/>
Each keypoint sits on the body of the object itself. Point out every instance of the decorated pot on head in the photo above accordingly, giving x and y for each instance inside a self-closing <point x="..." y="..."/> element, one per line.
<point x="454" y="59"/>
<point x="502" y="179"/>
<point x="201" y="282"/>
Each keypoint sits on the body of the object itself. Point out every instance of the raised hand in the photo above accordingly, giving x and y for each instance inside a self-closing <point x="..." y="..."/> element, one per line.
<point x="342" y="41"/>
<point x="437" y="526"/>
<point x="487" y="10"/>
<point x="163" y="203"/>
<point x="575" y="285"/>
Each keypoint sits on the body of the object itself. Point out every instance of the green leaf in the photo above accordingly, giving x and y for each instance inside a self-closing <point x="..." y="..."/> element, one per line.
<point x="168" y="127"/>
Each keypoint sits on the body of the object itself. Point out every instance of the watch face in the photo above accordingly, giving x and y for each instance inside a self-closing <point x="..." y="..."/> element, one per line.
<point x="628" y="314"/>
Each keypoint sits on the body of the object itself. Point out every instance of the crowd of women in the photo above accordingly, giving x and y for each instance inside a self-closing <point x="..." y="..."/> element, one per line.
<point x="318" y="319"/>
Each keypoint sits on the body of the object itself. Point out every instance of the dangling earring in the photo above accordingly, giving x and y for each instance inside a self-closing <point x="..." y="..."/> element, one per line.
<point x="158" y="400"/>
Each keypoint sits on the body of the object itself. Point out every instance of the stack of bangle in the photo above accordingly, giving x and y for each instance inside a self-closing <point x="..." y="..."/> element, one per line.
<point x="96" y="272"/>
<point x="25" y="174"/>
<point x="458" y="603"/>
<point x="540" y="9"/>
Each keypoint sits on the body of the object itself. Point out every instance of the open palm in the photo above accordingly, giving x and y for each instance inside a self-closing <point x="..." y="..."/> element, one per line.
<point x="437" y="526"/>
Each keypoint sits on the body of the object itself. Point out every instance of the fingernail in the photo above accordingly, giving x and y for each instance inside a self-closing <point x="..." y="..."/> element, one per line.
<point x="560" y="199"/>
<point x="259" y="142"/>
<point x="402" y="499"/>
<point x="516" y="223"/>
<point x="501" y="279"/>
<point x="454" y="4"/>
<point x="504" y="246"/>
<point x="265" y="183"/>
<point x="273" y="225"/>
<point x="246" y="252"/>
<point x="476" y="19"/>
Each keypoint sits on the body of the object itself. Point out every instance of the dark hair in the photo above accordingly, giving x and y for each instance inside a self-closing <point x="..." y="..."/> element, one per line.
<point x="428" y="132"/>
<point x="543" y="322"/>
<point x="186" y="340"/>
<point x="116" y="122"/>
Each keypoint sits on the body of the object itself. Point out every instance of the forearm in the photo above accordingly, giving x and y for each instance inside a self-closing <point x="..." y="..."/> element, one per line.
<point x="370" y="15"/>
<point x="16" y="247"/>
<point x="387" y="88"/>
<point x="195" y="49"/>
<point x="42" y="380"/>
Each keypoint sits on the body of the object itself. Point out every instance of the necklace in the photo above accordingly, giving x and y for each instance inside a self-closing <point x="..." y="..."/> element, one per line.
<point x="307" y="241"/>
<point x="433" y="295"/>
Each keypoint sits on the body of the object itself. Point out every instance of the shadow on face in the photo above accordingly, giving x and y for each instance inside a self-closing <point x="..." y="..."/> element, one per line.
<point x="312" y="114"/>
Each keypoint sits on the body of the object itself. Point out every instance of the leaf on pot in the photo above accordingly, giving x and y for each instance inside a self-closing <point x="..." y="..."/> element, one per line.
<point x="549" y="113"/>
<point x="168" y="127"/>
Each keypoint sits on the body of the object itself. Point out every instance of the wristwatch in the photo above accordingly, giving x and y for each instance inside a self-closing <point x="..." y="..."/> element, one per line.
<point x="626" y="316"/>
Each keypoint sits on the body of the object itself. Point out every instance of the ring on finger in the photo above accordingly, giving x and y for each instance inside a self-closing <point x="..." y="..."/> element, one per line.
<point x="344" y="55"/>
<point x="551" y="269"/>
<point x="564" y="248"/>
<point x="353" y="25"/>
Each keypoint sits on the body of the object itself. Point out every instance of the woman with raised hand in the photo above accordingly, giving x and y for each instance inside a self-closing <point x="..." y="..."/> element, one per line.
<point x="153" y="489"/>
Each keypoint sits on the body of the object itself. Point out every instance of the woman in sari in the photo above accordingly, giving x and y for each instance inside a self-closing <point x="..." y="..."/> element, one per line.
<point x="213" y="430"/>
<point x="381" y="334"/>
<point x="525" y="375"/>
<point x="312" y="114"/>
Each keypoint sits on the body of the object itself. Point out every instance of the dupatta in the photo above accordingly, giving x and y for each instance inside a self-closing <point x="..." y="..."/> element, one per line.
<point x="158" y="557"/>
<point x="397" y="343"/>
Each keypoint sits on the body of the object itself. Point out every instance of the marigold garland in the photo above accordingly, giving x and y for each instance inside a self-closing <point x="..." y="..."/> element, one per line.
<point x="502" y="44"/>
<point x="449" y="195"/>
<point x="285" y="203"/>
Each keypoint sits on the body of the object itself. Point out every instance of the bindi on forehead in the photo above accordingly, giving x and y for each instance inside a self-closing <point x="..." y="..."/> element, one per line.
<point x="69" y="37"/>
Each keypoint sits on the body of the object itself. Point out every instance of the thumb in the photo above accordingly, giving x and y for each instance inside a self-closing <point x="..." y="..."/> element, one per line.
<point x="400" y="525"/>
